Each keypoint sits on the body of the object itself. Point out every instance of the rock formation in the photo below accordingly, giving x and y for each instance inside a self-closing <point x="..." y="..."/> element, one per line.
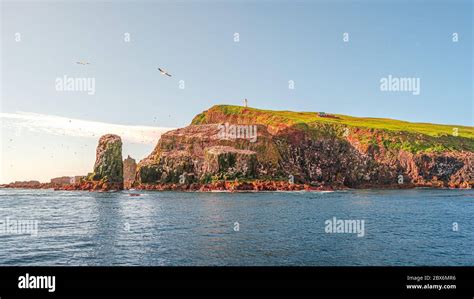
<point x="108" y="163"/>
<point x="307" y="150"/>
<point x="108" y="167"/>
<point x="239" y="148"/>
<point x="129" y="169"/>
<point x="24" y="185"/>
<point x="64" y="180"/>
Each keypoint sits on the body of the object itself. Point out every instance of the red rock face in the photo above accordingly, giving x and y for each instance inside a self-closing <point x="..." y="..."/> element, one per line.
<point x="197" y="153"/>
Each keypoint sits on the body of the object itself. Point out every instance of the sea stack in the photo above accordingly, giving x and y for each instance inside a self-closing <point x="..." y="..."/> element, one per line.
<point x="129" y="168"/>
<point x="108" y="167"/>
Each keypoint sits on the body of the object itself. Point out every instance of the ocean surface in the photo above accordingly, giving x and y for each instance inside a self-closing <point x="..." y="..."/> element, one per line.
<point x="401" y="227"/>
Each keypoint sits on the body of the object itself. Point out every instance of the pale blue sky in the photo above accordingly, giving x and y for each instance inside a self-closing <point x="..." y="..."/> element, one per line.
<point x="193" y="40"/>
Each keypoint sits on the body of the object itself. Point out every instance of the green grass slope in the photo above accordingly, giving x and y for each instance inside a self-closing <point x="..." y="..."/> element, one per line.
<point x="416" y="137"/>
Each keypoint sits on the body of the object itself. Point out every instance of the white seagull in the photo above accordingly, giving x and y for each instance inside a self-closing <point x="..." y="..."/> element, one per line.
<point x="163" y="72"/>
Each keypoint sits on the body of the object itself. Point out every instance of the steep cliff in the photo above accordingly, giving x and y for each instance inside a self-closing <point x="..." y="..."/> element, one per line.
<point x="244" y="144"/>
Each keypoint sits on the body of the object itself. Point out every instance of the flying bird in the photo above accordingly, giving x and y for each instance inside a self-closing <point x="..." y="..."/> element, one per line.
<point x="83" y="62"/>
<point x="163" y="72"/>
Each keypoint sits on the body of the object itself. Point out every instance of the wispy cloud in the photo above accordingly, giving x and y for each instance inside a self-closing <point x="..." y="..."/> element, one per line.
<point x="64" y="126"/>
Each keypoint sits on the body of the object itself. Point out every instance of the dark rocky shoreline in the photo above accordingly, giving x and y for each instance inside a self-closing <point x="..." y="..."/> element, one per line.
<point x="222" y="186"/>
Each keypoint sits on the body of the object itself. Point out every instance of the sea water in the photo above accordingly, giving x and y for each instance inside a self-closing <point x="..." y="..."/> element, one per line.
<point x="401" y="227"/>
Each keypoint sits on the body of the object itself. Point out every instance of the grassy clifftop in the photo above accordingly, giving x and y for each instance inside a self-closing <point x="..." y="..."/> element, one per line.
<point x="414" y="137"/>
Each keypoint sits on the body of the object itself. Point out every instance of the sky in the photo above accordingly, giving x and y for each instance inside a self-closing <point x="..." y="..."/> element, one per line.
<point x="335" y="54"/>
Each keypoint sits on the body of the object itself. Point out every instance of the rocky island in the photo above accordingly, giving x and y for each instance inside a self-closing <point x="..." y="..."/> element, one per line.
<point x="241" y="148"/>
<point x="234" y="148"/>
